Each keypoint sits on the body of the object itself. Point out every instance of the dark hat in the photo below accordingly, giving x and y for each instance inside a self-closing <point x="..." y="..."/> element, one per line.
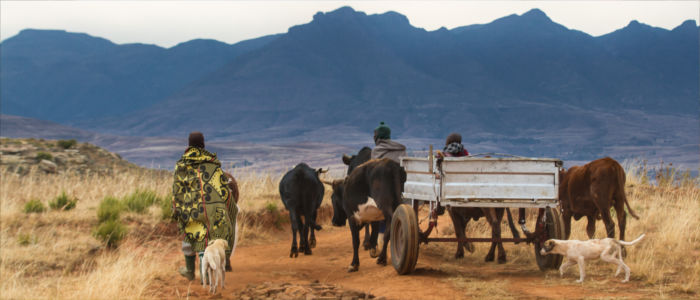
<point x="453" y="138"/>
<point x="382" y="132"/>
<point x="196" y="139"/>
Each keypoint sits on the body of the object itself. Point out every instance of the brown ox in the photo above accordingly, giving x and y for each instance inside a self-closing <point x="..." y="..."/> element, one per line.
<point x="233" y="186"/>
<point x="591" y="190"/>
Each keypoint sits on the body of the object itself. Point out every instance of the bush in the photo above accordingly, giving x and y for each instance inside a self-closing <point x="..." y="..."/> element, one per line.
<point x="34" y="206"/>
<point x="64" y="202"/>
<point x="44" y="155"/>
<point x="24" y="239"/>
<point x="110" y="232"/>
<point x="65" y="144"/>
<point x="109" y="210"/>
<point x="166" y="207"/>
<point x="139" y="200"/>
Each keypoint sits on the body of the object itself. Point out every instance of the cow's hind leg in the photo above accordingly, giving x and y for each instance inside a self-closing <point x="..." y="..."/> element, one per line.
<point x="374" y="234"/>
<point x="460" y="223"/>
<point x="355" y="231"/>
<point x="590" y="227"/>
<point x="621" y="221"/>
<point x="293" y="219"/>
<point x="308" y="221"/>
<point x="381" y="260"/>
<point x="312" y="227"/>
<point x="501" y="251"/>
<point x="366" y="242"/>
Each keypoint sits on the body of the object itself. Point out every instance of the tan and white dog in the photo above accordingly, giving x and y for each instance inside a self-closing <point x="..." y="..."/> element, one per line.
<point x="576" y="252"/>
<point x="214" y="264"/>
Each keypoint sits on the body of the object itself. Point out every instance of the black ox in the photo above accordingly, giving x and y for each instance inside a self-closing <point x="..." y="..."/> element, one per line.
<point x="370" y="193"/>
<point x="302" y="192"/>
<point x="370" y="241"/>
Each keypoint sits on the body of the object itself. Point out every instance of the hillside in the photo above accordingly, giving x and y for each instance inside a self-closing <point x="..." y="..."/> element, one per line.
<point x="521" y="84"/>
<point x="59" y="157"/>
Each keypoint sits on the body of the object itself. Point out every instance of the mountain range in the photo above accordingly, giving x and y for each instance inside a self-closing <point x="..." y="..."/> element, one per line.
<point x="522" y="84"/>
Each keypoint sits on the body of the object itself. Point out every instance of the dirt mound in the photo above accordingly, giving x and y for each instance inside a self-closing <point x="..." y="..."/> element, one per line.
<point x="314" y="290"/>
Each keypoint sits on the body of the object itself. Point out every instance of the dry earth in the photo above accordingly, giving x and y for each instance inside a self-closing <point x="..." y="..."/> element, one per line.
<point x="267" y="266"/>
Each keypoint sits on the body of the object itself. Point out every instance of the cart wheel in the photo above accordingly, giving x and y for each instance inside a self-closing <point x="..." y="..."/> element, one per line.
<point x="404" y="239"/>
<point x="553" y="229"/>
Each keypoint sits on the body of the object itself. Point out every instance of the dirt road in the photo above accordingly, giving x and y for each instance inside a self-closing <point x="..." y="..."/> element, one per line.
<point x="437" y="275"/>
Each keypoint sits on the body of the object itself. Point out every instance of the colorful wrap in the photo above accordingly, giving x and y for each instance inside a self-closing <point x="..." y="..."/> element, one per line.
<point x="202" y="203"/>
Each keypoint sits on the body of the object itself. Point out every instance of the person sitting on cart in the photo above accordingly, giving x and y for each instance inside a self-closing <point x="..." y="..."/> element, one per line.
<point x="453" y="147"/>
<point x="385" y="147"/>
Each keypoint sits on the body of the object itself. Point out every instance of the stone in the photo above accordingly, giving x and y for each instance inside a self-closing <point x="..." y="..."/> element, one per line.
<point x="47" y="166"/>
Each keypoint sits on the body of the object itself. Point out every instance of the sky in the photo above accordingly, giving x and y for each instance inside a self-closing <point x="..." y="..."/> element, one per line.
<point x="167" y="23"/>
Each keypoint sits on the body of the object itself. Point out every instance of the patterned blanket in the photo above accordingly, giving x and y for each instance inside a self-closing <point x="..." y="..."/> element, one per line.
<point x="202" y="202"/>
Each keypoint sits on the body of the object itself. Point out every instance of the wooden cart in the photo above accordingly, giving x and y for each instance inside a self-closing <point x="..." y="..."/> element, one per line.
<point x="515" y="182"/>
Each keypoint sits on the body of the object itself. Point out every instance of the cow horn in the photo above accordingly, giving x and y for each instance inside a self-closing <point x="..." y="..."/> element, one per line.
<point x="346" y="159"/>
<point x="321" y="170"/>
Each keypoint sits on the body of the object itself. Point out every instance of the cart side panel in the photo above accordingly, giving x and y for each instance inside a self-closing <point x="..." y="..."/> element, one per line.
<point x="522" y="179"/>
<point x="420" y="183"/>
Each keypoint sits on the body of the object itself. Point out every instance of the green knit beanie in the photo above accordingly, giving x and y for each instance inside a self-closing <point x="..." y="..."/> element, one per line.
<point x="383" y="132"/>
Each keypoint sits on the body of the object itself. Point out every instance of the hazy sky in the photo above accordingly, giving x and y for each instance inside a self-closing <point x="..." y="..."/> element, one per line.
<point x="167" y="23"/>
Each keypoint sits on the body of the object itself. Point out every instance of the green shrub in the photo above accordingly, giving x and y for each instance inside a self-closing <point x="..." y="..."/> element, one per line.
<point x="110" y="232"/>
<point x="110" y="208"/>
<point x="140" y="200"/>
<point x="64" y="202"/>
<point x="34" y="206"/>
<point x="24" y="239"/>
<point x="43" y="155"/>
<point x="65" y="144"/>
<point x="271" y="207"/>
<point x="166" y="207"/>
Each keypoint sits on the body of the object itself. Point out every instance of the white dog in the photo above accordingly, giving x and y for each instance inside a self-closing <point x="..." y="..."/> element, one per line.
<point x="574" y="251"/>
<point x="214" y="264"/>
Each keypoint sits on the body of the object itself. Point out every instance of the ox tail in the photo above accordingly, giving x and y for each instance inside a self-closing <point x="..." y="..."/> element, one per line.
<point x="399" y="179"/>
<point x="621" y="242"/>
<point x="515" y="232"/>
<point x="621" y="192"/>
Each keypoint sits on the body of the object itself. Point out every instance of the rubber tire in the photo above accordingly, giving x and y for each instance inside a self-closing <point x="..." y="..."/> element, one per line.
<point x="555" y="230"/>
<point x="404" y="239"/>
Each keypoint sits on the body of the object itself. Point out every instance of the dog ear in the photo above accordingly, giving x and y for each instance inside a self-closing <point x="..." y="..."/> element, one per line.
<point x="549" y="245"/>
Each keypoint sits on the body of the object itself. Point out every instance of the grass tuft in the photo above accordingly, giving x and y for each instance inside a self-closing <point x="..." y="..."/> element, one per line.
<point x="111" y="232"/>
<point x="63" y="201"/>
<point x="109" y="210"/>
<point x="34" y="206"/>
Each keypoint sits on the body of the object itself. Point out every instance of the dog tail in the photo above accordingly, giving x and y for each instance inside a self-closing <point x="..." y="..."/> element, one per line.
<point x="632" y="242"/>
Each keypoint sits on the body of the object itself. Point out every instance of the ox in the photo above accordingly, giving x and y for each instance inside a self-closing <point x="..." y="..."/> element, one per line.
<point x="369" y="194"/>
<point x="591" y="190"/>
<point x="460" y="217"/>
<point x="370" y="242"/>
<point x="302" y="192"/>
<point x="233" y="186"/>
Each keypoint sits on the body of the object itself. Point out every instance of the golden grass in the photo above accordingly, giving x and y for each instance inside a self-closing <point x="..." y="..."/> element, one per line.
<point x="54" y="255"/>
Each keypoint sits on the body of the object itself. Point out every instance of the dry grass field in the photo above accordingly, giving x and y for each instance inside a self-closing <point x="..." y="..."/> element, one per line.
<point x="54" y="254"/>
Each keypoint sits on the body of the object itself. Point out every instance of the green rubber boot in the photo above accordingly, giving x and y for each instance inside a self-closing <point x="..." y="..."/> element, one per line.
<point x="188" y="270"/>
<point x="202" y="273"/>
<point x="228" y="261"/>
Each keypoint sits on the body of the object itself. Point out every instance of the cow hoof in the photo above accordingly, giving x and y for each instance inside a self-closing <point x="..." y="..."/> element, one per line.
<point x="302" y="248"/>
<point x="294" y="252"/>
<point x="307" y="251"/>
<point x="488" y="258"/>
<point x="353" y="269"/>
<point x="381" y="261"/>
<point x="459" y="254"/>
<point x="312" y="243"/>
<point x="469" y="247"/>
<point x="501" y="260"/>
<point x="366" y="245"/>
<point x="373" y="252"/>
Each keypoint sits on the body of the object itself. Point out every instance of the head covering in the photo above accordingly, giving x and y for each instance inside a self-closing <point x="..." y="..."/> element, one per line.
<point x="453" y="138"/>
<point x="196" y="139"/>
<point x="382" y="132"/>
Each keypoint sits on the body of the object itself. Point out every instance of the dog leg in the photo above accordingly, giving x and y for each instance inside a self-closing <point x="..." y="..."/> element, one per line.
<point x="565" y="266"/>
<point x="581" y="269"/>
<point x="612" y="258"/>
